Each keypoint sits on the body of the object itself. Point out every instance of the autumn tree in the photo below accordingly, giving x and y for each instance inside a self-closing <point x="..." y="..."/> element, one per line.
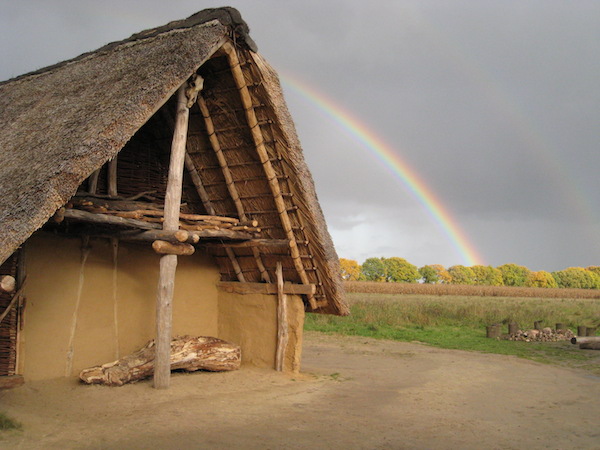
<point x="429" y="275"/>
<point x="399" y="270"/>
<point x="595" y="269"/>
<point x="350" y="269"/>
<point x="434" y="273"/>
<point x="513" y="275"/>
<point x="487" y="276"/>
<point x="461" y="274"/>
<point x="577" y="277"/>
<point x="541" y="279"/>
<point x="373" y="269"/>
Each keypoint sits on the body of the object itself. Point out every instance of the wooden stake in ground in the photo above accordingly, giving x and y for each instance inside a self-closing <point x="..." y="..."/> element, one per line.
<point x="282" y="324"/>
<point x="168" y="263"/>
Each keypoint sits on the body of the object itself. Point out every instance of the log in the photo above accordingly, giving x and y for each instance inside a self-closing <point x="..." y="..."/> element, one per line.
<point x="103" y="219"/>
<point x="7" y="283"/>
<point x="168" y="248"/>
<point x="168" y="263"/>
<point x="115" y="205"/>
<point x="235" y="287"/>
<point x="513" y="328"/>
<point x="581" y="330"/>
<point x="187" y="353"/>
<point x="585" y="339"/>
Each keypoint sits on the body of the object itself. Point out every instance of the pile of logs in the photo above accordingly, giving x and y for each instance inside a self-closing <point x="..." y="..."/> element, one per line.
<point x="546" y="334"/>
<point x="188" y="353"/>
<point x="152" y="213"/>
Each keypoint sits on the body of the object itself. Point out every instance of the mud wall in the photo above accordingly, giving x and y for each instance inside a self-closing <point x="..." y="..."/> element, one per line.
<point x="88" y="306"/>
<point x="250" y="320"/>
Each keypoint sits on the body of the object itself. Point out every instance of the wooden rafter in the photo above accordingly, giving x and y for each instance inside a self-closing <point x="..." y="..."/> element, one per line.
<point x="238" y="76"/>
<point x="216" y="146"/>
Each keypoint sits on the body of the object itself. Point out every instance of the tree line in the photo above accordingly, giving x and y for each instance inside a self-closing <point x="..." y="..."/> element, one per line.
<point x="399" y="270"/>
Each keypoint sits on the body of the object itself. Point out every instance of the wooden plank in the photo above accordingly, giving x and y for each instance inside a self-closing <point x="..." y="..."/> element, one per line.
<point x="235" y="287"/>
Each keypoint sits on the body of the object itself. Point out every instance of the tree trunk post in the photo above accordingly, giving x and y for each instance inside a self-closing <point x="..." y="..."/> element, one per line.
<point x="168" y="263"/>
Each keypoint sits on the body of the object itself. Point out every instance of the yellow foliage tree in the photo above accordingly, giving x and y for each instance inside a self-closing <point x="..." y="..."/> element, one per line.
<point x="541" y="279"/>
<point x="442" y="273"/>
<point x="350" y="269"/>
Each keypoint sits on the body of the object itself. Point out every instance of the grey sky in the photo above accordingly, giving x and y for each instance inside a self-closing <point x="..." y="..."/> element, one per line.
<point x="494" y="104"/>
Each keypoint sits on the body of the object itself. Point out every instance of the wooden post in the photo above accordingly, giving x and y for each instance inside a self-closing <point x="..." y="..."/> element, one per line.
<point x="513" y="328"/>
<point x="581" y="330"/>
<point x="282" y="324"/>
<point x="168" y="263"/>
<point x="112" y="178"/>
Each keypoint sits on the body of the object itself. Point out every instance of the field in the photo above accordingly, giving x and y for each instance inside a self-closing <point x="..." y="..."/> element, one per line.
<point x="458" y="322"/>
<point x="372" y="287"/>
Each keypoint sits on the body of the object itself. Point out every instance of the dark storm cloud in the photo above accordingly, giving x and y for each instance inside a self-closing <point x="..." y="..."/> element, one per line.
<point x="495" y="104"/>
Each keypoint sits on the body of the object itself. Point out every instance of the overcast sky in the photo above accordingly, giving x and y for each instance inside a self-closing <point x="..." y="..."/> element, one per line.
<point x="494" y="104"/>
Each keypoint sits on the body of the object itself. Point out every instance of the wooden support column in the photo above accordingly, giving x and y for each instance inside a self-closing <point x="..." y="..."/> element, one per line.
<point x="168" y="263"/>
<point x="282" y="323"/>
<point x="238" y="76"/>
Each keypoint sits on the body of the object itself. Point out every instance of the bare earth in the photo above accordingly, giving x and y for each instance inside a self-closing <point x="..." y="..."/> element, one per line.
<point x="353" y="393"/>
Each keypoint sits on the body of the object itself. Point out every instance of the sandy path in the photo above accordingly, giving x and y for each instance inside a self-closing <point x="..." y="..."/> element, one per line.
<point x="356" y="393"/>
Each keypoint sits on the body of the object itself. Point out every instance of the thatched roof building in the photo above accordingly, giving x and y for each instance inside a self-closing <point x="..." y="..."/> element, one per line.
<point x="60" y="127"/>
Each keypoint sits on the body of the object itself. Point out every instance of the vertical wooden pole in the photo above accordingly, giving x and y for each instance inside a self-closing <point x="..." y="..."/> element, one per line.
<point x="282" y="324"/>
<point x="112" y="178"/>
<point x="168" y="263"/>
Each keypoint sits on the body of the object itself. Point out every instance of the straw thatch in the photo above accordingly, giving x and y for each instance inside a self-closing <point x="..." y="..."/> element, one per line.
<point x="60" y="124"/>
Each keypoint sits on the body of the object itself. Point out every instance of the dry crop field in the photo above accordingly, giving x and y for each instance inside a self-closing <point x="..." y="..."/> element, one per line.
<point x="373" y="287"/>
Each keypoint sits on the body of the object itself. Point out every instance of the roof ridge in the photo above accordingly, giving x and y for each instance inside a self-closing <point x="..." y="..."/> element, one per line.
<point x="226" y="16"/>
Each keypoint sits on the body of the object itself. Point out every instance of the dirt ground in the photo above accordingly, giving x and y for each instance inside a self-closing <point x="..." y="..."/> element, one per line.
<point x="353" y="393"/>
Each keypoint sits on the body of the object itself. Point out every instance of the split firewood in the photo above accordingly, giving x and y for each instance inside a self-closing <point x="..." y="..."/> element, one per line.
<point x="188" y="353"/>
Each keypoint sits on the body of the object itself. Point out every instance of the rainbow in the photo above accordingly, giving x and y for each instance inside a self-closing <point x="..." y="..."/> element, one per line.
<point x="386" y="154"/>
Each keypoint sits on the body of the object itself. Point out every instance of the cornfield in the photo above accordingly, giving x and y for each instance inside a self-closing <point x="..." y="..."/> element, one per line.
<point x="372" y="287"/>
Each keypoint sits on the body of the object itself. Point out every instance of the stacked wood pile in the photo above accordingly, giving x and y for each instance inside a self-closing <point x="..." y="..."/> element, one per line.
<point x="188" y="353"/>
<point x="148" y="215"/>
<point x="546" y="334"/>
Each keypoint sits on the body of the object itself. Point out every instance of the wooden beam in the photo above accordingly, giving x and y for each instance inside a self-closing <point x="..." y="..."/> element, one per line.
<point x="236" y="265"/>
<point x="235" y="287"/>
<point x="271" y="175"/>
<point x="168" y="248"/>
<point x="7" y="283"/>
<point x="216" y="146"/>
<point x="103" y="219"/>
<point x="266" y="243"/>
<point x="168" y="263"/>
<point x="214" y="141"/>
<point x="195" y="176"/>
<point x="282" y="323"/>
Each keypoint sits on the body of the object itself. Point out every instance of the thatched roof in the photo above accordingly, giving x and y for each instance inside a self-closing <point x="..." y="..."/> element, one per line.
<point x="60" y="124"/>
